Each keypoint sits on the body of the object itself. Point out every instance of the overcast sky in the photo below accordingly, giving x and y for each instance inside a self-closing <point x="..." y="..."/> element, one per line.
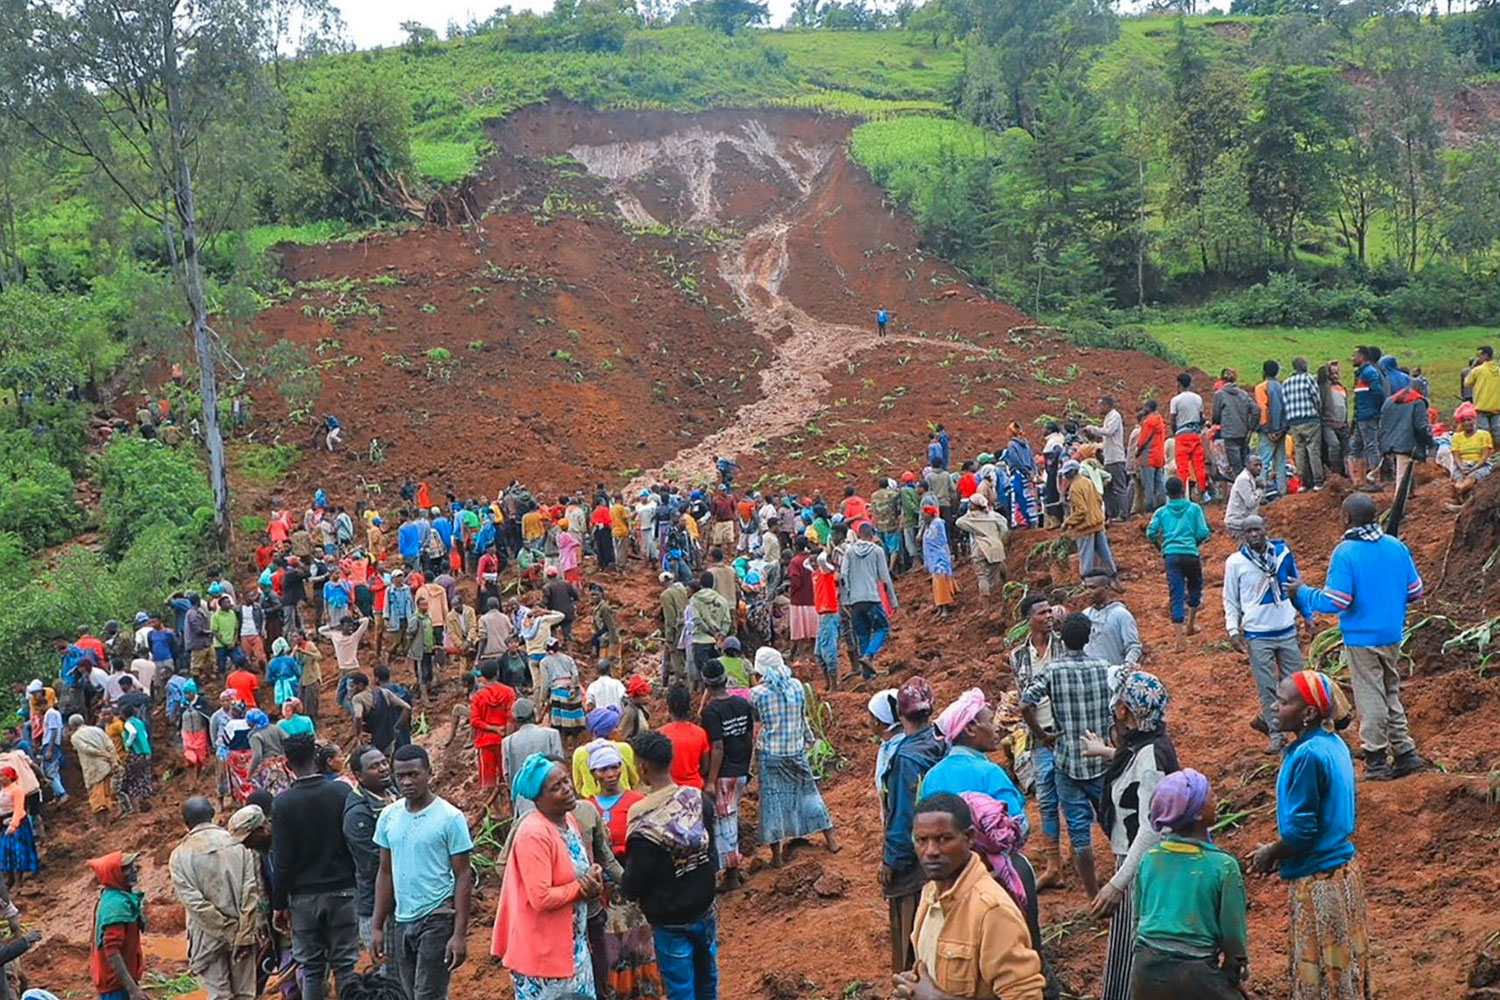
<point x="375" y="22"/>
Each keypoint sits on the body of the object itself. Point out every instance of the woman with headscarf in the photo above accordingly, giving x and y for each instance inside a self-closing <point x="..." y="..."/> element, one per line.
<point x="541" y="932"/>
<point x="193" y="725"/>
<point x="1142" y="755"/>
<point x="1021" y="464"/>
<point x="1191" y="939"/>
<point x="284" y="672"/>
<point x="968" y="727"/>
<point x="293" y="721"/>
<point x="268" y="767"/>
<point x="629" y="951"/>
<point x="18" y="857"/>
<point x="603" y="724"/>
<point x="938" y="559"/>
<point x="138" y="783"/>
<point x="790" y="803"/>
<point x="635" y="713"/>
<point x="234" y="750"/>
<point x="1330" y="954"/>
<point x="998" y="838"/>
<point x="565" y="691"/>
<point x="886" y="725"/>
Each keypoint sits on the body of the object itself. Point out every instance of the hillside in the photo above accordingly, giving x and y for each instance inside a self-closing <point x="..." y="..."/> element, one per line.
<point x="769" y="353"/>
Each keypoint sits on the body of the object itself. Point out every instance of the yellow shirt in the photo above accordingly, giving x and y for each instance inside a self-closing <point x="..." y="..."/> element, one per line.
<point x="587" y="785"/>
<point x="619" y="521"/>
<point x="1485" y="381"/>
<point x="533" y="526"/>
<point x="1471" y="447"/>
<point x="691" y="523"/>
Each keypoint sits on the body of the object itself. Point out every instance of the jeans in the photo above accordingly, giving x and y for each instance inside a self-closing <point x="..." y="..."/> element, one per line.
<point x="1335" y="447"/>
<point x="871" y="627"/>
<point x="224" y="655"/>
<point x="417" y="953"/>
<point x="1044" y="763"/>
<point x="1366" y="443"/>
<point x="1485" y="420"/>
<point x="325" y="933"/>
<point x="1154" y="486"/>
<point x="826" y="647"/>
<point x="1093" y="551"/>
<point x="1307" y="452"/>
<point x="52" y="762"/>
<point x="687" y="956"/>
<point x="1235" y="450"/>
<point x="1184" y="579"/>
<point x="1272" y="661"/>
<point x="1273" y="458"/>
<point x="1079" y="798"/>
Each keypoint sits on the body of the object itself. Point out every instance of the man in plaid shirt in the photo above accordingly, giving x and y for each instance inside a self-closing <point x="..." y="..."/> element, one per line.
<point x="1079" y="690"/>
<point x="1304" y="418"/>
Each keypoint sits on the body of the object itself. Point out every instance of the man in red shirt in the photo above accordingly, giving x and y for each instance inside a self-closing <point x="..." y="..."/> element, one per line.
<point x="116" y="959"/>
<point x="490" y="716"/>
<point x="690" y="746"/>
<point x="244" y="684"/>
<point x="1151" y="453"/>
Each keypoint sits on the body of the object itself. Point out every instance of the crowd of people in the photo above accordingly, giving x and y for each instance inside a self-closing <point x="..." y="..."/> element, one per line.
<point x="625" y="783"/>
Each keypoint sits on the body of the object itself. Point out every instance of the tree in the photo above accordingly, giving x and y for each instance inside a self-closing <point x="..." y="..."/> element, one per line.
<point x="34" y="335"/>
<point x="1030" y="42"/>
<point x="349" y="145"/>
<point x="728" y="16"/>
<point x="1294" y="119"/>
<point x="150" y="91"/>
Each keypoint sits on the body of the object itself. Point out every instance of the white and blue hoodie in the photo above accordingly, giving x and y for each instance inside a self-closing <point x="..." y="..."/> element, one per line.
<point x="1256" y="603"/>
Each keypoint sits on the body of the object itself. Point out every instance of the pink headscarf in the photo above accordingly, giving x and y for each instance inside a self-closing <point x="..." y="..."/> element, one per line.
<point x="954" y="719"/>
<point x="996" y="834"/>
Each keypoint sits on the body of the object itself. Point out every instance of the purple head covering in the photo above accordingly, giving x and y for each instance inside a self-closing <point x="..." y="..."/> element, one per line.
<point x="603" y="721"/>
<point x="996" y="834"/>
<point x="1179" y="800"/>
<point x="915" y="698"/>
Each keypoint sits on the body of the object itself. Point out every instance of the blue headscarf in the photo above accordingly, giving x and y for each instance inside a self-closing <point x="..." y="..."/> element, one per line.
<point x="528" y="782"/>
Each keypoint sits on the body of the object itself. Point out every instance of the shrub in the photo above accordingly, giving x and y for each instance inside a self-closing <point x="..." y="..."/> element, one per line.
<point x="37" y="501"/>
<point x="349" y="145"/>
<point x="145" y="483"/>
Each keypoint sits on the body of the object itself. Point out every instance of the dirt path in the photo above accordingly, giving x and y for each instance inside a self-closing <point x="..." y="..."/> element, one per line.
<point x="802" y="348"/>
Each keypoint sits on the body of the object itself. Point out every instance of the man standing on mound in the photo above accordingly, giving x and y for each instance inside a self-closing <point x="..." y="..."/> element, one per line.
<point x="1371" y="579"/>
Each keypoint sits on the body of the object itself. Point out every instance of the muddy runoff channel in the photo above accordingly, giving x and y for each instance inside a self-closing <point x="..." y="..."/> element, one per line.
<point x="791" y="382"/>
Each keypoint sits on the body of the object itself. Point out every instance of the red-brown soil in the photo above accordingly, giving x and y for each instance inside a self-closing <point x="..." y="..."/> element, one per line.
<point x="790" y="297"/>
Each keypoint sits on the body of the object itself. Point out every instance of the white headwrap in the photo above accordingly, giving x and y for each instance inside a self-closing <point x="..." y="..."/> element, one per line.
<point x="602" y="754"/>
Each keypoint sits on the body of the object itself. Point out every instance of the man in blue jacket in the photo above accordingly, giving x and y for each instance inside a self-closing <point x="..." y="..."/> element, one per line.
<point x="1272" y="429"/>
<point x="409" y="541"/>
<point x="901" y="876"/>
<point x="1371" y="579"/>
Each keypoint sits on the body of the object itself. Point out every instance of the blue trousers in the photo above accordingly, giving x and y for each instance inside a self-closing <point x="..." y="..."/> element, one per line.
<point x="687" y="956"/>
<point x="1273" y="461"/>
<point x="1045" y="767"/>
<point x="1184" y="579"/>
<point x="1093" y="551"/>
<point x="871" y="626"/>
<point x="826" y="647"/>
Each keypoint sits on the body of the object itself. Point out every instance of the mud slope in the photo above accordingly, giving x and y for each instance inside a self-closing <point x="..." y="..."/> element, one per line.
<point x="817" y="252"/>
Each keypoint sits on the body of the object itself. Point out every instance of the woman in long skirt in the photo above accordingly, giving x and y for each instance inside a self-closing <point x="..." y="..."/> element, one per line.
<point x="629" y="948"/>
<point x="139" y="784"/>
<point x="938" y="559"/>
<point x="18" y="857"/>
<point x="1142" y="755"/>
<point x="790" y="803"/>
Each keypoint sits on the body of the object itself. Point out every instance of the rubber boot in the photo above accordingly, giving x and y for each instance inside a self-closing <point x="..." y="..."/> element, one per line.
<point x="1051" y="876"/>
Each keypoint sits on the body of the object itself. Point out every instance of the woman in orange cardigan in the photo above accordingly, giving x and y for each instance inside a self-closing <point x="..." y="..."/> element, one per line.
<point x="540" y="927"/>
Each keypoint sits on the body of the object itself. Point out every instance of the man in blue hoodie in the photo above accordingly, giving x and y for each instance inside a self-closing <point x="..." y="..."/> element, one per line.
<point x="1272" y="429"/>
<point x="1371" y="579"/>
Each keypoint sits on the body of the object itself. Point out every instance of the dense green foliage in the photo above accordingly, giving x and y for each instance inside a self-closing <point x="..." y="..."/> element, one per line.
<point x="349" y="146"/>
<point x="145" y="483"/>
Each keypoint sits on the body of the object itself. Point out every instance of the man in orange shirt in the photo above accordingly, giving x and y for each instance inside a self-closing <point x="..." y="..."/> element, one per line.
<point x="490" y="715"/>
<point x="1151" y="454"/>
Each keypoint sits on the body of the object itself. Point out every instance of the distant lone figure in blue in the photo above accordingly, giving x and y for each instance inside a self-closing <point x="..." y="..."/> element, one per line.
<point x="881" y="317"/>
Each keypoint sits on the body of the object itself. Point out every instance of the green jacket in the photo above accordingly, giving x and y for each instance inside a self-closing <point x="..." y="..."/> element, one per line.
<point x="1178" y="528"/>
<point x="712" y="616"/>
<point x="911" y="507"/>
<point x="225" y="625"/>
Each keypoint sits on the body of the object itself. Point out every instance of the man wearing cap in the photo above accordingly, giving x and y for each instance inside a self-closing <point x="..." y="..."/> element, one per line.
<point x="218" y="882"/>
<point x="1085" y="521"/>
<point x="527" y="739"/>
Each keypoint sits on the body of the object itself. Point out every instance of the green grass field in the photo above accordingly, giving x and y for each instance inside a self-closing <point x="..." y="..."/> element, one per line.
<point x="1441" y="354"/>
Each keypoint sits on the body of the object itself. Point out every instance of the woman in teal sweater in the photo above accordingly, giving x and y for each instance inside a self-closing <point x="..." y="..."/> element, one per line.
<point x="1191" y="939"/>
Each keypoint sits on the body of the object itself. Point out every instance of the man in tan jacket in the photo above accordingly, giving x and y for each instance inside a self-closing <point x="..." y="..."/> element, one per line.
<point x="1085" y="521"/>
<point x="988" y="528"/>
<point x="218" y="882"/>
